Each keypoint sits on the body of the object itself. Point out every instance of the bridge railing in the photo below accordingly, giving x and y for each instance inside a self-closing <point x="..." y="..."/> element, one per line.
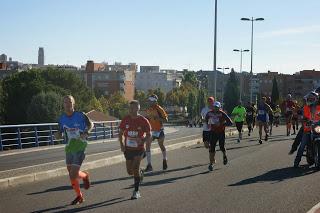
<point x="34" y="135"/>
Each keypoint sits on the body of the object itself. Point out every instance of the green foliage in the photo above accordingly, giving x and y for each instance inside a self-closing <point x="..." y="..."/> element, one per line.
<point x="44" y="108"/>
<point x="275" y="92"/>
<point x="19" y="88"/>
<point x="231" y="96"/>
<point x="117" y="105"/>
<point x="141" y="96"/>
<point x="190" y="77"/>
<point x="1" y="104"/>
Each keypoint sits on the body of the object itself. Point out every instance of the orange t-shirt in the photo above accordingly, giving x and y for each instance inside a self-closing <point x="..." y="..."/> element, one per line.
<point x="154" y="113"/>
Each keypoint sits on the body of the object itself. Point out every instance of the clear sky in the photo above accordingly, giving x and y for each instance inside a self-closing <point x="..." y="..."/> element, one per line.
<point x="174" y="34"/>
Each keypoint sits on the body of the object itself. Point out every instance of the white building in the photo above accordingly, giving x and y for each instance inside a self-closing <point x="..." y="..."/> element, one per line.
<point x="166" y="81"/>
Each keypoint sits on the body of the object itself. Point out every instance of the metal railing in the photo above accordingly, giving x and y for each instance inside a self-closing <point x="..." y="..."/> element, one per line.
<point x="34" y="135"/>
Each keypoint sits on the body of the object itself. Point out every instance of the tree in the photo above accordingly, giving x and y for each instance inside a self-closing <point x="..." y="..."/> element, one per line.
<point x="191" y="105"/>
<point x="118" y="105"/>
<point x="44" y="108"/>
<point x="1" y="105"/>
<point x="141" y="96"/>
<point x="231" y="96"/>
<point x="275" y="92"/>
<point x="190" y="77"/>
<point x="19" y="88"/>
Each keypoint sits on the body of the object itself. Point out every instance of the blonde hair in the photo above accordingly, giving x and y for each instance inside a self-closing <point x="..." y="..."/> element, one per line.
<point x="70" y="97"/>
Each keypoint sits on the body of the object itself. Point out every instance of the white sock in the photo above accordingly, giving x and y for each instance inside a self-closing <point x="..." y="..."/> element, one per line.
<point x="148" y="157"/>
<point x="164" y="154"/>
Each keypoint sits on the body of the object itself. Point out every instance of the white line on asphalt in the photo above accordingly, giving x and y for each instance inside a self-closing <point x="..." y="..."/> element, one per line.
<point x="314" y="209"/>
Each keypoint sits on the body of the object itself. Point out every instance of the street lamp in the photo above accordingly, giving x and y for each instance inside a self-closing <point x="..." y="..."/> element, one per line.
<point x="241" y="51"/>
<point x="223" y="68"/>
<point x="215" y="49"/>
<point x="251" y="74"/>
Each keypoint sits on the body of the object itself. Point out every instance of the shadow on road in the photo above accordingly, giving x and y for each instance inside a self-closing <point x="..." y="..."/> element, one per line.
<point x="84" y="208"/>
<point x="277" y="175"/>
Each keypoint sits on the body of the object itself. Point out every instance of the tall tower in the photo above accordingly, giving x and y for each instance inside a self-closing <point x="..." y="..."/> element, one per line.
<point x="41" y="56"/>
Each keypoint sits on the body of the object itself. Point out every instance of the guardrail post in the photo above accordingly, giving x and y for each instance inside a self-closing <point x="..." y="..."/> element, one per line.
<point x="36" y="134"/>
<point x="95" y="132"/>
<point x="1" y="147"/>
<point x="104" y="131"/>
<point x="19" y="138"/>
<point x="112" y="130"/>
<point x="51" y="138"/>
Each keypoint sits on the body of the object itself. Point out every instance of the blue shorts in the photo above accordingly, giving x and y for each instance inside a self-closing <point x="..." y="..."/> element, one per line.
<point x="75" y="158"/>
<point x="157" y="134"/>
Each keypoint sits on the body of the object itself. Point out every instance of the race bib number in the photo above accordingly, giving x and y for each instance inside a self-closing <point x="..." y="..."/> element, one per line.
<point x="155" y="134"/>
<point x="132" y="142"/>
<point x="213" y="120"/>
<point x="261" y="112"/>
<point x="73" y="133"/>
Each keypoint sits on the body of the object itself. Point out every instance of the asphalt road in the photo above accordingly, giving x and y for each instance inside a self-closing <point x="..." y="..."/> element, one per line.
<point x="258" y="178"/>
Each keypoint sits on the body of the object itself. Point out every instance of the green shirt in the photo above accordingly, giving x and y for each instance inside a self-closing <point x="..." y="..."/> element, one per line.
<point x="239" y="113"/>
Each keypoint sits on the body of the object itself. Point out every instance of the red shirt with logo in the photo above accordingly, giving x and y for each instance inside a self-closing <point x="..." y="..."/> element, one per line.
<point x="133" y="129"/>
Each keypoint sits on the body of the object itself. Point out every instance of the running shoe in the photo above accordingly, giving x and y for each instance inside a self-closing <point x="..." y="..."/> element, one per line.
<point x="148" y="168"/>
<point x="266" y="137"/>
<point x="210" y="167"/>
<point x="225" y="160"/>
<point x="86" y="181"/>
<point x="238" y="140"/>
<point x="77" y="200"/>
<point x="135" y="195"/>
<point x="260" y="141"/>
<point x="164" y="164"/>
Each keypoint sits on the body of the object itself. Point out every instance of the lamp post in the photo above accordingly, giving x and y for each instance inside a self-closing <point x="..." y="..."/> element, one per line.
<point x="251" y="73"/>
<point x="241" y="51"/>
<point x="215" y="49"/>
<point x="223" y="68"/>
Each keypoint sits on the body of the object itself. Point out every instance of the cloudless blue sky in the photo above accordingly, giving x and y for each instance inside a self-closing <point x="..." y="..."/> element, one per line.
<point x="174" y="34"/>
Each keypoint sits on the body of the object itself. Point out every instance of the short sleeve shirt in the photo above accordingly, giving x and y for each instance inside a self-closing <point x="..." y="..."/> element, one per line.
<point x="71" y="127"/>
<point x="134" y="128"/>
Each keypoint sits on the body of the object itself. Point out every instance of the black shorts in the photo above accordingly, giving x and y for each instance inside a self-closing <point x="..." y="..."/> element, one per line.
<point x="205" y="136"/>
<point x="214" y="138"/>
<point x="131" y="154"/>
<point x="239" y="126"/>
<point x="288" y="114"/>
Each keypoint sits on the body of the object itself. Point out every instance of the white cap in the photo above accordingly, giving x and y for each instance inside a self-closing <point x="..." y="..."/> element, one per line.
<point x="217" y="104"/>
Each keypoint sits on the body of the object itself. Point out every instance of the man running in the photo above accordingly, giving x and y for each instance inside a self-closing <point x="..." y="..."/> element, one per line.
<point x="272" y="105"/>
<point x="217" y="120"/>
<point x="239" y="113"/>
<point x="295" y="118"/>
<point x="263" y="118"/>
<point x="288" y="106"/>
<point x="156" y="116"/>
<point x="277" y="114"/>
<point x="74" y="127"/>
<point x="251" y="110"/>
<point x="206" y="128"/>
<point x="133" y="127"/>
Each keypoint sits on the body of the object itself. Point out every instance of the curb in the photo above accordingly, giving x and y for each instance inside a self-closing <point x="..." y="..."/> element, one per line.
<point x="39" y="176"/>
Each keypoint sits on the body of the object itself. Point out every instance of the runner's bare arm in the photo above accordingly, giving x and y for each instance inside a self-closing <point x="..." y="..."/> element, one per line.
<point x="121" y="140"/>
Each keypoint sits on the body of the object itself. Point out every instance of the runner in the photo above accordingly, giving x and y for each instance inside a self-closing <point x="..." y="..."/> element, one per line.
<point x="132" y="128"/>
<point x="217" y="120"/>
<point x="74" y="127"/>
<point x="288" y="106"/>
<point x="277" y="114"/>
<point x="311" y="113"/>
<point x="295" y="117"/>
<point x="263" y="118"/>
<point x="251" y="110"/>
<point x="269" y="102"/>
<point x="239" y="113"/>
<point x="206" y="128"/>
<point x="156" y="116"/>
